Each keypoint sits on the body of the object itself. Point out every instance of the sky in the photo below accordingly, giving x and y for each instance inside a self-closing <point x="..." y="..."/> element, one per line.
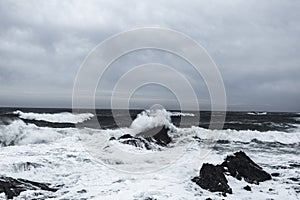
<point x="255" y="45"/>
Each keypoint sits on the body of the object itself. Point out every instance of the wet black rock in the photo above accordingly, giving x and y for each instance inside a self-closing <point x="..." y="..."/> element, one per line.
<point x="147" y="139"/>
<point x="13" y="187"/>
<point x="241" y="166"/>
<point x="295" y="179"/>
<point x="159" y="135"/>
<point x="126" y="136"/>
<point x="295" y="165"/>
<point x="112" y="138"/>
<point x="248" y="188"/>
<point x="212" y="179"/>
<point x="275" y="174"/>
<point x="137" y="142"/>
<point x="82" y="191"/>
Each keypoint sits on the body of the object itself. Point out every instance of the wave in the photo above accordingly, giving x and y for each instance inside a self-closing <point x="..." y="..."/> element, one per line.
<point x="19" y="133"/>
<point x="64" y="117"/>
<point x="178" y="114"/>
<point x="151" y="119"/>
<point x="257" y="113"/>
<point x="246" y="135"/>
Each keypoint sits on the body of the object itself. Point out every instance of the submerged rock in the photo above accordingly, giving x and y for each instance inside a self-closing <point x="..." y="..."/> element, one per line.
<point x="275" y="174"/>
<point x="241" y="166"/>
<point x="25" y="166"/>
<point x="247" y="187"/>
<point x="13" y="187"/>
<point x="212" y="179"/>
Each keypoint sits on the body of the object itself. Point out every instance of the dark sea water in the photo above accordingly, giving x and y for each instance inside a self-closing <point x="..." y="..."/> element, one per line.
<point x="51" y="140"/>
<point x="248" y="120"/>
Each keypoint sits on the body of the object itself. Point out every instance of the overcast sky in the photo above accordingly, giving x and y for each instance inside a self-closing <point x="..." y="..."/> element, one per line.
<point x="255" y="45"/>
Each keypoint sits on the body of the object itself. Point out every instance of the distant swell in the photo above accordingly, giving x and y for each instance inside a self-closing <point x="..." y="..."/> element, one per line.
<point x="64" y="117"/>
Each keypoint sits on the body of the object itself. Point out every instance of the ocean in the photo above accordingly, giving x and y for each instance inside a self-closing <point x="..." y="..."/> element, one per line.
<point x="74" y="151"/>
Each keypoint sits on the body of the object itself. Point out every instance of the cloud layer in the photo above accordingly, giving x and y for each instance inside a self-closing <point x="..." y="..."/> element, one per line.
<point x="254" y="43"/>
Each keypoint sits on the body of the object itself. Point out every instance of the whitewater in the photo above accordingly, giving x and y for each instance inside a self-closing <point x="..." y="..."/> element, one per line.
<point x="61" y="156"/>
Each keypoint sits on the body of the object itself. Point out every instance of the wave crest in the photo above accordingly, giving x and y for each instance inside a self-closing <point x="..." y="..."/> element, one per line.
<point x="64" y="117"/>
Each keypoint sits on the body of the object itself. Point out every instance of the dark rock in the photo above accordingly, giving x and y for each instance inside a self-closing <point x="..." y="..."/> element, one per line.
<point x="112" y="138"/>
<point x="270" y="189"/>
<point x="82" y="191"/>
<point x="295" y="165"/>
<point x="138" y="142"/>
<point x="212" y="179"/>
<point x="241" y="166"/>
<point x="248" y="188"/>
<point x="149" y="198"/>
<point x="13" y="187"/>
<point x="126" y="136"/>
<point x="295" y="179"/>
<point x="158" y="134"/>
<point x="275" y="174"/>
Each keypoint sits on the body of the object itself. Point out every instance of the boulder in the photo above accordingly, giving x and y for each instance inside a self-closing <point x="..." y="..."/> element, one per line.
<point x="137" y="142"/>
<point x="241" y="166"/>
<point x="13" y="187"/>
<point x="212" y="179"/>
<point x="147" y="139"/>
<point x="159" y="135"/>
<point x="247" y="187"/>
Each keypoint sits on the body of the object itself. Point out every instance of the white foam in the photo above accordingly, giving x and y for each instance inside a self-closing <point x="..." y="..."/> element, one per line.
<point x="64" y="117"/>
<point x="67" y="163"/>
<point x="19" y="133"/>
<point x="182" y="114"/>
<point x="257" y="113"/>
<point x="64" y="161"/>
<point x="246" y="135"/>
<point x="150" y="119"/>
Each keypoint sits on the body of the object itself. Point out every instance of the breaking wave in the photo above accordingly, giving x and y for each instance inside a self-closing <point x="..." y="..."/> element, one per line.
<point x="257" y="113"/>
<point x="150" y="119"/>
<point x="247" y="135"/>
<point x="19" y="133"/>
<point x="182" y="114"/>
<point x="64" y="117"/>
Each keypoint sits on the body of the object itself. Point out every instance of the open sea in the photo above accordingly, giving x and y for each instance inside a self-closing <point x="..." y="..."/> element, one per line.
<point x="49" y="145"/>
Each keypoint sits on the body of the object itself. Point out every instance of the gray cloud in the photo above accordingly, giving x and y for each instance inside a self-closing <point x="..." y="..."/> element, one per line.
<point x="254" y="43"/>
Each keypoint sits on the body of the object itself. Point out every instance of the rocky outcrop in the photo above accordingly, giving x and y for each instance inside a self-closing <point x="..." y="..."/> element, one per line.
<point x="136" y="141"/>
<point x="211" y="178"/>
<point x="241" y="166"/>
<point x="147" y="139"/>
<point x="238" y="165"/>
<point x="13" y="187"/>
<point x="158" y="135"/>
